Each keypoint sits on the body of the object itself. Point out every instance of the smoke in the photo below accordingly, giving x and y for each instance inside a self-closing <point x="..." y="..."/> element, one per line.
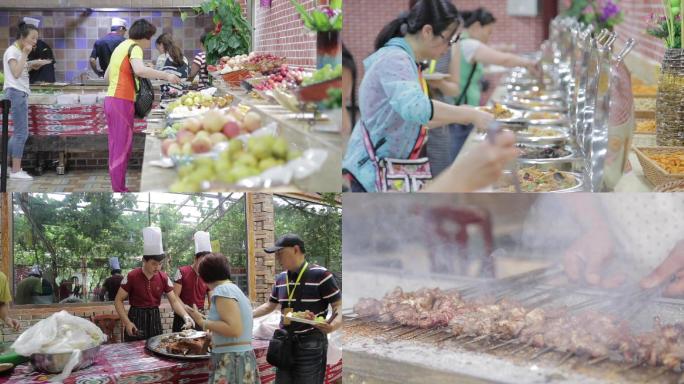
<point x="408" y="234"/>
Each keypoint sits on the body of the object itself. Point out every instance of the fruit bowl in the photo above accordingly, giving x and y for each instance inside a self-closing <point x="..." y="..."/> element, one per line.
<point x="317" y="92"/>
<point x="235" y="78"/>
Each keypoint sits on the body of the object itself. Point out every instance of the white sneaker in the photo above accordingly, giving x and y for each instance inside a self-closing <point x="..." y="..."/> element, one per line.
<point x="21" y="175"/>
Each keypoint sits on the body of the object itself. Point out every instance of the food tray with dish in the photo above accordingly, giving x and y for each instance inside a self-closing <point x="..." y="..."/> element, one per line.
<point x="543" y="135"/>
<point x="306" y="317"/>
<point x="502" y="113"/>
<point x="533" y="179"/>
<point x="661" y="164"/>
<point x="545" y="118"/>
<point x="544" y="152"/>
<point x="185" y="345"/>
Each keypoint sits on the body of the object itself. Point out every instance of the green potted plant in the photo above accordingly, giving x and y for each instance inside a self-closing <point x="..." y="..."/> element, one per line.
<point x="232" y="33"/>
<point x="326" y="22"/>
<point x="603" y="14"/>
<point x="670" y="99"/>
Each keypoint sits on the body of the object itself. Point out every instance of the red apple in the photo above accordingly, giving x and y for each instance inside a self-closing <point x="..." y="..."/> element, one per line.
<point x="192" y="124"/>
<point x="231" y="129"/>
<point x="201" y="145"/>
<point x="183" y="137"/>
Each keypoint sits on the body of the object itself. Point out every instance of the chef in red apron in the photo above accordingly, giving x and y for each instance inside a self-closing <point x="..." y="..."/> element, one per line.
<point x="187" y="284"/>
<point x="144" y="287"/>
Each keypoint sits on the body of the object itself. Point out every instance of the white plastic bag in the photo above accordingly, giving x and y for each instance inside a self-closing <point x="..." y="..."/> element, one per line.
<point x="59" y="333"/>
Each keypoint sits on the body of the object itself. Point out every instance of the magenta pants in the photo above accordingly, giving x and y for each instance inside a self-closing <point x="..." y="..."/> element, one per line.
<point x="120" y="115"/>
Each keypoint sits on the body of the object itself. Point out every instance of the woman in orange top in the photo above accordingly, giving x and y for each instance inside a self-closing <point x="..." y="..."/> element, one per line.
<point x="119" y="104"/>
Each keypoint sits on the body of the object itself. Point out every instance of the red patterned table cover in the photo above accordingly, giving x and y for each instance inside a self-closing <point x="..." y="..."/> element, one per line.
<point x="128" y="363"/>
<point x="70" y="120"/>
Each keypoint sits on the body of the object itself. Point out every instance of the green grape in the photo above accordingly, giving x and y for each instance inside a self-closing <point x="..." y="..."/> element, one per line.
<point x="324" y="74"/>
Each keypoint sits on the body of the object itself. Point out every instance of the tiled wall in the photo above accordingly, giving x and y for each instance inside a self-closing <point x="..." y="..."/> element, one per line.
<point x="71" y="34"/>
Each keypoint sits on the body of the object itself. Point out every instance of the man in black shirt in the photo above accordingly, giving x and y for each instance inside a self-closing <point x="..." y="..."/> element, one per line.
<point x="103" y="48"/>
<point x="111" y="285"/>
<point x="303" y="286"/>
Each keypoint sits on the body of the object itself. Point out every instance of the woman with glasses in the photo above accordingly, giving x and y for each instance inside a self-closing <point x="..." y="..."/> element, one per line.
<point x="464" y="63"/>
<point x="395" y="111"/>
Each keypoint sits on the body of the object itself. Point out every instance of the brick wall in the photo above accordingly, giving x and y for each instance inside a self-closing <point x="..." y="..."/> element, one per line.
<point x="71" y="34"/>
<point x="365" y="19"/>
<point x="636" y="13"/>
<point x="279" y="30"/>
<point x="30" y="315"/>
<point x="264" y="227"/>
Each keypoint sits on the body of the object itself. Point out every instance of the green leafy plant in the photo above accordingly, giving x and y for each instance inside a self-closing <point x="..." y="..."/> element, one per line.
<point x="323" y="19"/>
<point x="603" y="14"/>
<point x="334" y="99"/>
<point x="669" y="26"/>
<point x="232" y="33"/>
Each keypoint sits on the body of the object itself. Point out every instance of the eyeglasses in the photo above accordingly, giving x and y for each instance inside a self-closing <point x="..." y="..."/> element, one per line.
<point x="454" y="39"/>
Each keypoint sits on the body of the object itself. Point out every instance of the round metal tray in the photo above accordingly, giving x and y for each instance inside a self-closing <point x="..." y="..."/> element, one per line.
<point x="506" y="182"/>
<point x="551" y="106"/>
<point x="533" y="95"/>
<point x="570" y="155"/>
<point x="561" y="120"/>
<point x="560" y="137"/>
<point x="152" y="345"/>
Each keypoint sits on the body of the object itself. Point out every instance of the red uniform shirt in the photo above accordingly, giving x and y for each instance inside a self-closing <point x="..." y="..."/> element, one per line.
<point x="146" y="293"/>
<point x="194" y="289"/>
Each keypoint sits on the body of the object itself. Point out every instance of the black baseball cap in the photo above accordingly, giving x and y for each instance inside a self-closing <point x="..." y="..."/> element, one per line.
<point x="289" y="240"/>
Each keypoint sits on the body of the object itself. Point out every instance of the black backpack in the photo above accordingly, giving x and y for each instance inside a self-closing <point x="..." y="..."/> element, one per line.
<point x="144" y="95"/>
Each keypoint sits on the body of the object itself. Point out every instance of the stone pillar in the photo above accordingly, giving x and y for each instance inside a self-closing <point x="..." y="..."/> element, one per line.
<point x="260" y="234"/>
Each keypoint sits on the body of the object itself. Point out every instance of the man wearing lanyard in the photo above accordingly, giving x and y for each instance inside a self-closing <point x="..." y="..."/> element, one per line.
<point x="318" y="291"/>
<point x="188" y="285"/>
<point x="103" y="47"/>
<point x="144" y="288"/>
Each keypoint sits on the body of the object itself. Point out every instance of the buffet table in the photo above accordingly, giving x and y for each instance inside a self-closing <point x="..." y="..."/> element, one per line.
<point x="132" y="363"/>
<point x="323" y="135"/>
<point x="633" y="180"/>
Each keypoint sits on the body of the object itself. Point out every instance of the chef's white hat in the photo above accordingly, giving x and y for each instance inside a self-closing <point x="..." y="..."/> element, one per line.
<point x="202" y="242"/>
<point x="32" y="21"/>
<point x="152" y="241"/>
<point x="114" y="263"/>
<point x="118" y="22"/>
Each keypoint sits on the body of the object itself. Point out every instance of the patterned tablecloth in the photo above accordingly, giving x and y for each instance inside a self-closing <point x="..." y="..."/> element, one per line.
<point x="128" y="363"/>
<point x="70" y="120"/>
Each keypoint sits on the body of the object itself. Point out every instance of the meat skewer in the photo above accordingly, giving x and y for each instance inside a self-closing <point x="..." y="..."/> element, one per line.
<point x="590" y="333"/>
